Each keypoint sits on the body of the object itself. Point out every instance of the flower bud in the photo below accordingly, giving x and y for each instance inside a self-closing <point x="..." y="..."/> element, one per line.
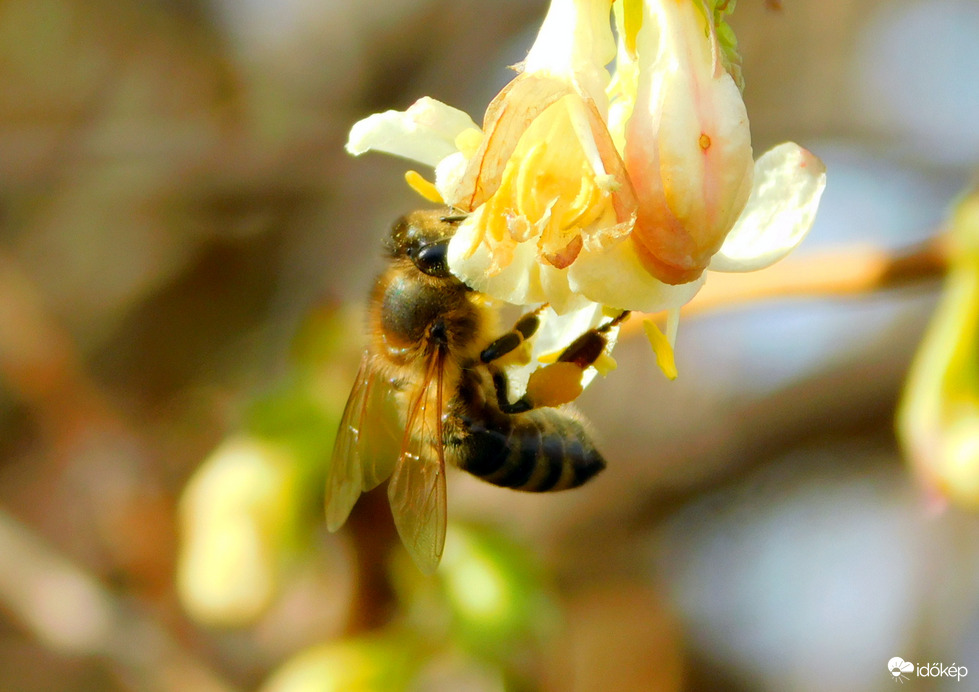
<point x="237" y="520"/>
<point x="938" y="420"/>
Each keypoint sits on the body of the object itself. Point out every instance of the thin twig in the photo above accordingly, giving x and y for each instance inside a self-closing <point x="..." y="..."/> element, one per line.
<point x="843" y="272"/>
<point x="849" y="271"/>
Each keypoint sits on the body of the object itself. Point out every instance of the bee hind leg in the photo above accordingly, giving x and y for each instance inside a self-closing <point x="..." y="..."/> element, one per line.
<point x="588" y="347"/>
<point x="560" y="382"/>
<point x="502" y="386"/>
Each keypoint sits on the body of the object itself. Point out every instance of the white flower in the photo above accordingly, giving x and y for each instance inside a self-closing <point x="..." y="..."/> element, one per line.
<point x="588" y="188"/>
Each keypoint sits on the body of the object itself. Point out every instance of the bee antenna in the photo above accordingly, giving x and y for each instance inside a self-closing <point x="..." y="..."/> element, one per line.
<point x="618" y="319"/>
<point x="453" y="218"/>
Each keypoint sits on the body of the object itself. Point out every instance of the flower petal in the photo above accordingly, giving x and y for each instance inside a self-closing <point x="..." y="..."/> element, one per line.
<point x="688" y="147"/>
<point x="616" y="277"/>
<point x="576" y="42"/>
<point x="426" y="132"/>
<point x="508" y="115"/>
<point x="449" y="172"/>
<point x="789" y="181"/>
<point x="517" y="283"/>
<point x="558" y="293"/>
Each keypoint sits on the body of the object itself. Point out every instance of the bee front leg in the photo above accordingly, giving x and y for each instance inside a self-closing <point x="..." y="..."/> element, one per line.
<point x="524" y="328"/>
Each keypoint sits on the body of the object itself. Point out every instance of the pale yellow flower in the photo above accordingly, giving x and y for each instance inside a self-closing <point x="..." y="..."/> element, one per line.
<point x="238" y="517"/>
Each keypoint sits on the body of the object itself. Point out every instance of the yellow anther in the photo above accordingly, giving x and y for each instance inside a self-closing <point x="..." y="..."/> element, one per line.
<point x="662" y="349"/>
<point x="477" y="239"/>
<point x="555" y="384"/>
<point x="548" y="358"/>
<point x="526" y="190"/>
<point x="632" y="19"/>
<point x="605" y="364"/>
<point x="424" y="188"/>
<point x="607" y="183"/>
<point x="520" y="229"/>
<point x="587" y="207"/>
<point x="468" y="141"/>
<point x="578" y="206"/>
<point x="496" y="227"/>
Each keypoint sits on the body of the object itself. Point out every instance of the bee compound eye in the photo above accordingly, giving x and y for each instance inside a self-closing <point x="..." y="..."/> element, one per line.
<point x="432" y="259"/>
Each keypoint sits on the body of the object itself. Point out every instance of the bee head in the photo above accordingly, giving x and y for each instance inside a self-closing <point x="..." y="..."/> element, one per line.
<point x="423" y="237"/>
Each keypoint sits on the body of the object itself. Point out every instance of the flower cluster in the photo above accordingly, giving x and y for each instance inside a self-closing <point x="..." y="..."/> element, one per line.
<point x="590" y="187"/>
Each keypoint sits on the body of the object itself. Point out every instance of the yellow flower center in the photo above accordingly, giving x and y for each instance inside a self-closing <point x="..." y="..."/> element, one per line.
<point x="550" y="191"/>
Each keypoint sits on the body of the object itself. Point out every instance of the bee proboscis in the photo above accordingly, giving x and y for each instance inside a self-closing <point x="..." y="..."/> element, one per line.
<point x="430" y="389"/>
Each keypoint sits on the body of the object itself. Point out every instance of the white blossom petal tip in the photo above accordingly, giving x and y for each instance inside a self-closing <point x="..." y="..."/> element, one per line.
<point x="788" y="184"/>
<point x="426" y="132"/>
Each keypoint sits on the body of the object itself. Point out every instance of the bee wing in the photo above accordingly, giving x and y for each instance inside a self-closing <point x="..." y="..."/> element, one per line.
<point x="363" y="454"/>
<point x="381" y="432"/>
<point x="417" y="487"/>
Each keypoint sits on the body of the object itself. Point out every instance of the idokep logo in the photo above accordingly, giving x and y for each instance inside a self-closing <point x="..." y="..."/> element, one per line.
<point x="901" y="670"/>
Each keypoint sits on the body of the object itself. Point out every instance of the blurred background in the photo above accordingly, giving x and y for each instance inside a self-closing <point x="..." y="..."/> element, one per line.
<point x="185" y="249"/>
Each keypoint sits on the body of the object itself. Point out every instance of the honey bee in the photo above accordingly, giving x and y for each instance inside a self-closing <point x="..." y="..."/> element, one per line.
<point x="430" y="381"/>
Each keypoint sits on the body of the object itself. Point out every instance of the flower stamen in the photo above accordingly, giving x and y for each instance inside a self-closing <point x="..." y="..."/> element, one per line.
<point x="528" y="181"/>
<point x="423" y="187"/>
<point x="661" y="348"/>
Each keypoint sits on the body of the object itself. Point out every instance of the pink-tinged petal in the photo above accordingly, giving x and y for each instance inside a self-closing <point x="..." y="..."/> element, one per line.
<point x="788" y="183"/>
<point x="616" y="277"/>
<point x="623" y="194"/>
<point x="575" y="43"/>
<point x="573" y="47"/>
<point x="509" y="114"/>
<point x="688" y="147"/>
<point x="563" y="257"/>
<point x="426" y="132"/>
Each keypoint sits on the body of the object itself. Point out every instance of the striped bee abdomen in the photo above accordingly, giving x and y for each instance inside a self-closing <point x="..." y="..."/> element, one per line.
<point x="538" y="451"/>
